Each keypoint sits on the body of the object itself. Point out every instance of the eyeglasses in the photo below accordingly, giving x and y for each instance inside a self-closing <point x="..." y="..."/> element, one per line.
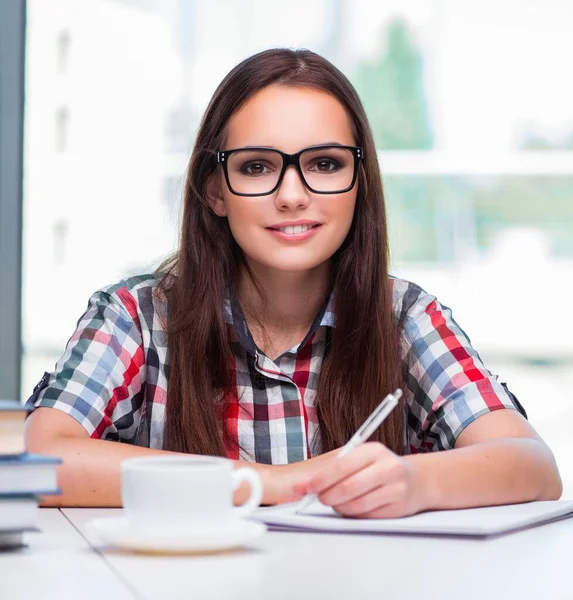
<point x="329" y="169"/>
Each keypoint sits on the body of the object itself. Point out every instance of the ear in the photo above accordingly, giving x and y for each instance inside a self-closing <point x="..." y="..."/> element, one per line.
<point x="215" y="195"/>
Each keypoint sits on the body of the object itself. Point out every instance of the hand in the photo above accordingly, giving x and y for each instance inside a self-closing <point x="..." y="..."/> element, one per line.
<point x="369" y="482"/>
<point x="279" y="480"/>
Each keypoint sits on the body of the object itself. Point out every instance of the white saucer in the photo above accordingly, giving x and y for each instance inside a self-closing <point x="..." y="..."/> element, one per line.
<point x="119" y="532"/>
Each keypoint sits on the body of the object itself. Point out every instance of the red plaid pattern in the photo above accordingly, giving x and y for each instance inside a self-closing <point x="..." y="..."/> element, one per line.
<point x="112" y="377"/>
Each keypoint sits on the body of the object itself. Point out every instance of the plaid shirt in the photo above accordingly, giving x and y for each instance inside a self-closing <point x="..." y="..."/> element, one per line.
<point x="112" y="377"/>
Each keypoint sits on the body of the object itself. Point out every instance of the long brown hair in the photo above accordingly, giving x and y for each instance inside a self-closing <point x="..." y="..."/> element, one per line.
<point x="362" y="363"/>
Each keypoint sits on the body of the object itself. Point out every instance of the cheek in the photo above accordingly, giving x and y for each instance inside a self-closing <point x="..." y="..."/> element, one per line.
<point x="242" y="216"/>
<point x="340" y="211"/>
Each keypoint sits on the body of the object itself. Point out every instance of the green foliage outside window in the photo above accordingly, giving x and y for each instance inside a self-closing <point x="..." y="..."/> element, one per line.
<point x="442" y="219"/>
<point x="391" y="88"/>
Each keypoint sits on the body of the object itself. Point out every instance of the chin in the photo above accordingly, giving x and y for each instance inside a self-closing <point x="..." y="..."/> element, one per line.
<point x="293" y="266"/>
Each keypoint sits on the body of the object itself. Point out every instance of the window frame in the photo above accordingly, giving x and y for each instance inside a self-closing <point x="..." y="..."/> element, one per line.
<point x="12" y="75"/>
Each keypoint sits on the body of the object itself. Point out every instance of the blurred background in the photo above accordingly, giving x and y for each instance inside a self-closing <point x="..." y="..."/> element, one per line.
<point x="471" y="109"/>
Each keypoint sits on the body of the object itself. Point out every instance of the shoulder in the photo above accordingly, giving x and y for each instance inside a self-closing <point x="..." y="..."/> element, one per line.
<point x="134" y="302"/>
<point x="409" y="300"/>
<point x="136" y="294"/>
<point x="133" y="285"/>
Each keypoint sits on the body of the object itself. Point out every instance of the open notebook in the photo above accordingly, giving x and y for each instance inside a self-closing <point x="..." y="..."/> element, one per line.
<point x="491" y="520"/>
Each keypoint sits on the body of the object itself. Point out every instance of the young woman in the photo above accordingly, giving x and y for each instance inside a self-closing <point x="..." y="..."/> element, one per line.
<point x="276" y="329"/>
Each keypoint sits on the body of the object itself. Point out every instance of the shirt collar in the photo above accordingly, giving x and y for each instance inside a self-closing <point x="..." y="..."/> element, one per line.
<point x="234" y="317"/>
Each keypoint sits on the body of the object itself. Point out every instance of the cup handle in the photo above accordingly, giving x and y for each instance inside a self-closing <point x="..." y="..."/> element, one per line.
<point x="254" y="500"/>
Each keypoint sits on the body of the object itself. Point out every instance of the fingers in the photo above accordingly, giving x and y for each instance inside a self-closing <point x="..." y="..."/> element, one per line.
<point x="369" y="482"/>
<point x="355" y="486"/>
<point x="380" y="503"/>
<point x="340" y="469"/>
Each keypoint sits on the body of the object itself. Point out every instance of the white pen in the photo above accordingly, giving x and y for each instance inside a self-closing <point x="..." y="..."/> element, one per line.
<point x="366" y="430"/>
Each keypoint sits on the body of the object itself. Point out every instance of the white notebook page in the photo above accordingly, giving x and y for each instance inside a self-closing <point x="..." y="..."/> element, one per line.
<point x="489" y="520"/>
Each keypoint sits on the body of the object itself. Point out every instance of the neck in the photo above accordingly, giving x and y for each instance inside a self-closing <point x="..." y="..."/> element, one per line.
<point x="288" y="301"/>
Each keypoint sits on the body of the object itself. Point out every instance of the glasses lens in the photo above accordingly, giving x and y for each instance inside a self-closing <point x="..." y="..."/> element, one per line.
<point x="328" y="169"/>
<point x="254" y="171"/>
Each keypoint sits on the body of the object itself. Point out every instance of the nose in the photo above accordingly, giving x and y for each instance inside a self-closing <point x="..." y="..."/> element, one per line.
<point x="292" y="193"/>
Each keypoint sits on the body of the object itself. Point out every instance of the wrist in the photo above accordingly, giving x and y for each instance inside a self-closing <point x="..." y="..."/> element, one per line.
<point x="270" y="477"/>
<point x="426" y="485"/>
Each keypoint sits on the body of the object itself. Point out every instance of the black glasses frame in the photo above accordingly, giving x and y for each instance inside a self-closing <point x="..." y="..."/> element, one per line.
<point x="290" y="159"/>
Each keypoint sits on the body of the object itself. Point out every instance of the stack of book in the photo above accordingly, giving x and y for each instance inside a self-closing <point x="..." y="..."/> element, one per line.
<point x="23" y="476"/>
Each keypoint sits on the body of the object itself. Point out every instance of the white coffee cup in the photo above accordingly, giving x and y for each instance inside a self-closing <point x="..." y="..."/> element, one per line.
<point x="179" y="493"/>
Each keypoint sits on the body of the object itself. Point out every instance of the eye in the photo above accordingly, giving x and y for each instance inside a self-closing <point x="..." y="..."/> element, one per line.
<point x="325" y="165"/>
<point x="256" y="169"/>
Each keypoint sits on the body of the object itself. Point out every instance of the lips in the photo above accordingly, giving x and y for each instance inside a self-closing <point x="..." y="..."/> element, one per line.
<point x="295" y="229"/>
<point x="294" y="233"/>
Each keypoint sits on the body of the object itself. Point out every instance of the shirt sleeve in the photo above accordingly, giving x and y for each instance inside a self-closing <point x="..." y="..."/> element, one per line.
<point x="448" y="386"/>
<point x="99" y="379"/>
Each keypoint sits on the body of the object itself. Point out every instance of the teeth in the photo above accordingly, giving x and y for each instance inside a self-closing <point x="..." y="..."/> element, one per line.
<point x="295" y="229"/>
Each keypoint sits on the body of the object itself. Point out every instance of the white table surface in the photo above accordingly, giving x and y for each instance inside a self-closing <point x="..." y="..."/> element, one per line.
<point x="57" y="563"/>
<point x="535" y="563"/>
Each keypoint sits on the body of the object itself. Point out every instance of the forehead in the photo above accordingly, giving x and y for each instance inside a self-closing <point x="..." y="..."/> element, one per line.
<point x="289" y="118"/>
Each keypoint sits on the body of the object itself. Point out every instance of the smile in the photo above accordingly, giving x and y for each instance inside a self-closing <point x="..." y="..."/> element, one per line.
<point x="295" y="229"/>
<point x="294" y="232"/>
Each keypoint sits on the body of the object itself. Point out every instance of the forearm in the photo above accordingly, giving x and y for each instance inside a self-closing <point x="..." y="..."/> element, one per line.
<point x="501" y="471"/>
<point x="90" y="474"/>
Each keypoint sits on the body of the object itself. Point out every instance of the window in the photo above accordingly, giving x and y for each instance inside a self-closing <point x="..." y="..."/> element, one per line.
<point x="62" y="129"/>
<point x="472" y="123"/>
<point x="63" y="45"/>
